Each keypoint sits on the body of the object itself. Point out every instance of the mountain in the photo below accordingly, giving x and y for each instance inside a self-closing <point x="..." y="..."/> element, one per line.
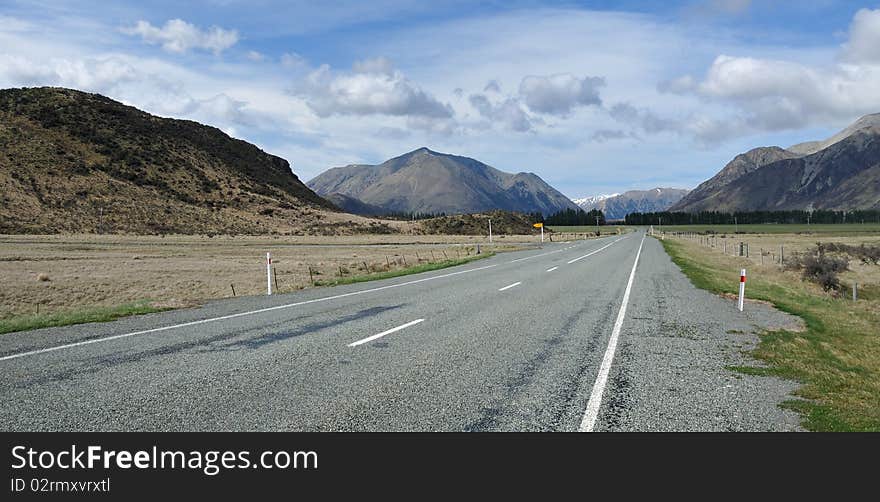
<point x="841" y="172"/>
<point x="425" y="181"/>
<point x="703" y="198"/>
<point x="810" y="147"/>
<point x="354" y="206"/>
<point x="594" y="201"/>
<point x="77" y="162"/>
<point x="617" y="206"/>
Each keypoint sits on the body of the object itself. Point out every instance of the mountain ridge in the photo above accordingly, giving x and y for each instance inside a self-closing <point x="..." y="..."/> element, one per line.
<point x="426" y="181"/>
<point x="617" y="206"/>
<point x="841" y="173"/>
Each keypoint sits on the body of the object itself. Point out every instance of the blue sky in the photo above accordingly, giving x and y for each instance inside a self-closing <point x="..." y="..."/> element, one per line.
<point x="594" y="97"/>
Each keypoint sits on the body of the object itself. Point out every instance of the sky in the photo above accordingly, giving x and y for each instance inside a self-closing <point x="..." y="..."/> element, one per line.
<point x="594" y="97"/>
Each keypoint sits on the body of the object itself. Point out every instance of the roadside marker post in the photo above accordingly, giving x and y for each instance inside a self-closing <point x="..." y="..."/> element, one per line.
<point x="269" y="274"/>
<point x="742" y="289"/>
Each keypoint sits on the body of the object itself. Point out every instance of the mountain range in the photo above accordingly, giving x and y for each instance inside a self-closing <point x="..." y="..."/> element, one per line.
<point x="841" y="173"/>
<point x="429" y="182"/>
<point x="617" y="206"/>
<point x="77" y="162"/>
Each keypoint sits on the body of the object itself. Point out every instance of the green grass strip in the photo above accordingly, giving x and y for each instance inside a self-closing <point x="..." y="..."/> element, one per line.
<point x="78" y="316"/>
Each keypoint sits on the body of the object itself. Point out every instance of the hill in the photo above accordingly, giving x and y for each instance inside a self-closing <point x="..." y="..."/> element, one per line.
<point x="617" y="206"/>
<point x="424" y="181"/>
<point x="841" y="173"/>
<point x="77" y="162"/>
<point x="503" y="223"/>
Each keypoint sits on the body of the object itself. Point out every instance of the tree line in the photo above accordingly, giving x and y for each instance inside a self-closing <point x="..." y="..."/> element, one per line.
<point x="571" y="217"/>
<point x="753" y="217"/>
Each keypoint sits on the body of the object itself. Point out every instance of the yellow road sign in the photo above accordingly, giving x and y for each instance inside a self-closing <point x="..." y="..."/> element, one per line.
<point x="538" y="225"/>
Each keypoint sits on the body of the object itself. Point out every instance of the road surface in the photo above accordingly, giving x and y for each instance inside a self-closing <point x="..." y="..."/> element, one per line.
<point x="594" y="335"/>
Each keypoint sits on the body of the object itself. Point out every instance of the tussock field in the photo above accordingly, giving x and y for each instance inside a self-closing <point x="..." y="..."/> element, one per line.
<point x="837" y="356"/>
<point x="98" y="277"/>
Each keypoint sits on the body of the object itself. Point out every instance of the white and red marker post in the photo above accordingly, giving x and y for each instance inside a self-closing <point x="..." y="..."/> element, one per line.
<point x="269" y="274"/>
<point x="742" y="288"/>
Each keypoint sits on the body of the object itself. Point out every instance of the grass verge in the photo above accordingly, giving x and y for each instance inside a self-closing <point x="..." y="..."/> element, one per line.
<point x="417" y="269"/>
<point x="78" y="316"/>
<point x="837" y="356"/>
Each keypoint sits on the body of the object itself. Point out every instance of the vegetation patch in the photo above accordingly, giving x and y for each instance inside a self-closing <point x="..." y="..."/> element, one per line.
<point x="417" y="269"/>
<point x="78" y="316"/>
<point x="837" y="356"/>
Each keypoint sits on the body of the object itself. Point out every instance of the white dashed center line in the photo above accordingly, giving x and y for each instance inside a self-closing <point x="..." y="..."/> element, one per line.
<point x="380" y="335"/>
<point x="511" y="286"/>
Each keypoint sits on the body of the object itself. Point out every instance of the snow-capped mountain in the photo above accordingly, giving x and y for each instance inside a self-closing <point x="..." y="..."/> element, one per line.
<point x="617" y="206"/>
<point x="594" y="202"/>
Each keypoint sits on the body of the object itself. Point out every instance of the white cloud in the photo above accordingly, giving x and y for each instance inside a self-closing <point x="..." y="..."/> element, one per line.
<point x="374" y="89"/>
<point x="560" y="93"/>
<point x="293" y="60"/>
<point x="864" y="38"/>
<point x="94" y="74"/>
<point x="508" y="112"/>
<point x="256" y="56"/>
<point x="380" y="65"/>
<point x="603" y="135"/>
<point x="767" y="94"/>
<point x="680" y="85"/>
<point x="492" y="86"/>
<point x="179" y="36"/>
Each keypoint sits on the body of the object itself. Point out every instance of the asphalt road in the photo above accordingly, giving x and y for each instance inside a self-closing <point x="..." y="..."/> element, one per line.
<point x="514" y="342"/>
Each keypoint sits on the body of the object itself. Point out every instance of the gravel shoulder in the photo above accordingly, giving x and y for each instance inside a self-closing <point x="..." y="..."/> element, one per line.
<point x="677" y="343"/>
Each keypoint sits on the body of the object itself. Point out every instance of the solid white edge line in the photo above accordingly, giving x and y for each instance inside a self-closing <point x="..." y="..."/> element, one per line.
<point x="240" y="314"/>
<point x="552" y="269"/>
<point x="380" y="335"/>
<point x="512" y="285"/>
<point x="592" y="252"/>
<point x="595" y="402"/>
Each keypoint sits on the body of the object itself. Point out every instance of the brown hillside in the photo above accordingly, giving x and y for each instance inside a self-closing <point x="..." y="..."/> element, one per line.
<point x="78" y="162"/>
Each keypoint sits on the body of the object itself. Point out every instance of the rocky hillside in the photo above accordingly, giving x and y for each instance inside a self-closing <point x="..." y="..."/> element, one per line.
<point x="424" y="181"/>
<point x="503" y="223"/>
<point x="77" y="162"/>
<point x="617" y="206"/>
<point x="842" y="173"/>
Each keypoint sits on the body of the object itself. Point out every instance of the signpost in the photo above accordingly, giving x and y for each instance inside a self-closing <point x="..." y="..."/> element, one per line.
<point x="541" y="226"/>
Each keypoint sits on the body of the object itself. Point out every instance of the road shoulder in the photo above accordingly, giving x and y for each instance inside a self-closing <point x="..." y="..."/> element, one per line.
<point x="677" y="345"/>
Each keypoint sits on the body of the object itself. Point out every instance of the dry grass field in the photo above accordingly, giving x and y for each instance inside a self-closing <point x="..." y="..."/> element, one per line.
<point x="64" y="273"/>
<point x="765" y="250"/>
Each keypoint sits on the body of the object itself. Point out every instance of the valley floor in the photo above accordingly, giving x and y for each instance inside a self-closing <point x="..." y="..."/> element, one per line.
<point x="111" y="275"/>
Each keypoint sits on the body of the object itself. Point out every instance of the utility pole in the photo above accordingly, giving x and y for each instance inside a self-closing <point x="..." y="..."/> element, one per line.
<point x="735" y="225"/>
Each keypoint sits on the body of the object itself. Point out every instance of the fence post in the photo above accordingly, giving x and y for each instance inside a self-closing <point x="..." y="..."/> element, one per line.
<point x="855" y="291"/>
<point x="269" y="274"/>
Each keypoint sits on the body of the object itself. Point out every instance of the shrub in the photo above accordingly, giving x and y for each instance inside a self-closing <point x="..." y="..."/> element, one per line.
<point x="822" y="269"/>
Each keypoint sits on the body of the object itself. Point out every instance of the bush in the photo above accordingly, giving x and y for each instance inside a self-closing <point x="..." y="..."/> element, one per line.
<point x="822" y="269"/>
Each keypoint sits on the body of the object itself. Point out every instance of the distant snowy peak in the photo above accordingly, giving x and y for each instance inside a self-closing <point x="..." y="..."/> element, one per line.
<point x="618" y="205"/>
<point x="593" y="201"/>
